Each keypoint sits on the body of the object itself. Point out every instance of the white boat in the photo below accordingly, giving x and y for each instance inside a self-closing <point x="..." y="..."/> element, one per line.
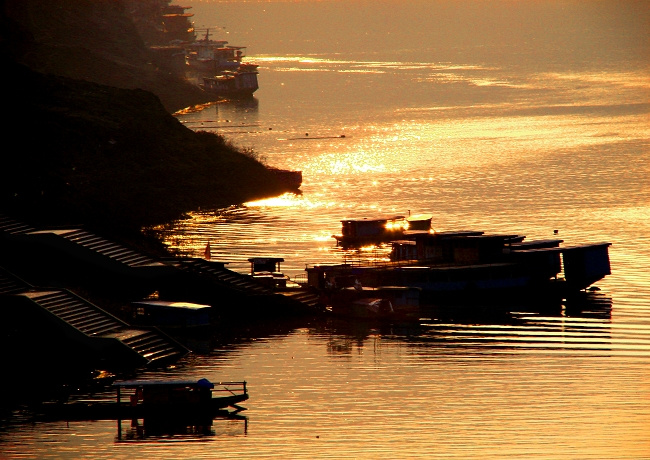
<point x="213" y="56"/>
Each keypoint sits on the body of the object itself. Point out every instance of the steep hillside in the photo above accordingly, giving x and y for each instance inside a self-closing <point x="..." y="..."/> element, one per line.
<point x="80" y="150"/>
<point x="87" y="152"/>
<point x="92" y="40"/>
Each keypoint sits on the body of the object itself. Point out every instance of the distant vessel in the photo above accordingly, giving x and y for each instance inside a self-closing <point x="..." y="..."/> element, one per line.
<point x="235" y="84"/>
<point x="221" y="67"/>
<point x="213" y="56"/>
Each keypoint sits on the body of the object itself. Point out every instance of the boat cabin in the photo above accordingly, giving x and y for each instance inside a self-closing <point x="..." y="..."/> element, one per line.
<point x="421" y="222"/>
<point x="585" y="264"/>
<point x="266" y="270"/>
<point x="322" y="277"/>
<point x="265" y="264"/>
<point x="371" y="231"/>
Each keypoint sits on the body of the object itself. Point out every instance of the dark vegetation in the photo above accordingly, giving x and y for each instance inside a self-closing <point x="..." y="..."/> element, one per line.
<point x="88" y="135"/>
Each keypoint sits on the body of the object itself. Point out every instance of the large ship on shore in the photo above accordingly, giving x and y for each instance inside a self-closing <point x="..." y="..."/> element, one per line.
<point x="213" y="56"/>
<point x="222" y="69"/>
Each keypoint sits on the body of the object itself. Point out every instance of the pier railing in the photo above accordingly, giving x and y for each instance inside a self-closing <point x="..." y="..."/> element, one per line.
<point x="376" y="263"/>
<point x="234" y="388"/>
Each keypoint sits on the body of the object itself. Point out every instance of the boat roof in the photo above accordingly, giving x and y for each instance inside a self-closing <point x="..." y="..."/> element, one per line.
<point x="202" y="383"/>
<point x="453" y="267"/>
<point x="420" y="217"/>
<point x="525" y="244"/>
<point x="170" y="304"/>
<point x="373" y="219"/>
<point x="263" y="260"/>
<point x="586" y="245"/>
<point x="495" y="236"/>
<point x="459" y="233"/>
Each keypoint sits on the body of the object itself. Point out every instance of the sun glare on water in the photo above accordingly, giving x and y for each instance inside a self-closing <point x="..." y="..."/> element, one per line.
<point x="286" y="200"/>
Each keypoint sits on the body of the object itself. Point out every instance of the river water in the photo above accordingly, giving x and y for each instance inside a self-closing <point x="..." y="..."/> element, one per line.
<point x="496" y="116"/>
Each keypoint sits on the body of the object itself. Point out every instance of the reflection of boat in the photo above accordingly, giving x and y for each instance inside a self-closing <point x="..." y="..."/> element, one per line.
<point x="389" y="302"/>
<point x="155" y="429"/>
<point x="454" y="264"/>
<point x="238" y="83"/>
<point x="180" y="400"/>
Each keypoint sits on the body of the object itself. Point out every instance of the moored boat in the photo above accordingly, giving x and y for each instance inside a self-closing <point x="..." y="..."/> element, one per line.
<point x="470" y="264"/>
<point x="233" y="84"/>
<point x="267" y="271"/>
<point x="363" y="231"/>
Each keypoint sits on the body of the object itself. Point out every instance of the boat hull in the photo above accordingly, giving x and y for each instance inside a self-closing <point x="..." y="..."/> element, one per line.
<point x="236" y="85"/>
<point x="531" y="272"/>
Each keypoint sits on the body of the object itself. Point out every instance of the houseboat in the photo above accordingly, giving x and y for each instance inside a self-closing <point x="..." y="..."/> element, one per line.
<point x="189" y="401"/>
<point x="364" y="231"/>
<point x="456" y="265"/>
